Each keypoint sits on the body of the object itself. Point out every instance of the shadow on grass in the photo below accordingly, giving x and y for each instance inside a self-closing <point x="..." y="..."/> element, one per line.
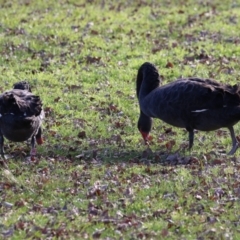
<point x="113" y="154"/>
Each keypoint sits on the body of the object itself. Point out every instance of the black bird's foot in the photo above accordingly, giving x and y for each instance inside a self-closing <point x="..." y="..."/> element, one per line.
<point x="234" y="148"/>
<point x="234" y="141"/>
<point x="5" y="156"/>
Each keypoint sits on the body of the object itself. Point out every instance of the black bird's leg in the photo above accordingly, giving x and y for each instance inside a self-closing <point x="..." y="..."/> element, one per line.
<point x="33" y="147"/>
<point x="1" y="145"/>
<point x="191" y="138"/>
<point x="234" y="141"/>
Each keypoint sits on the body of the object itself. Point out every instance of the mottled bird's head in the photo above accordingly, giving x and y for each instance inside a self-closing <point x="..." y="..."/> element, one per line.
<point x="23" y="85"/>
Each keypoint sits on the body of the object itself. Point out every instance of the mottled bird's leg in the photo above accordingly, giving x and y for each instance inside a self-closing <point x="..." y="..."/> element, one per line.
<point x="3" y="163"/>
<point x="39" y="138"/>
<point x="1" y="145"/>
<point x="33" y="147"/>
<point x="234" y="141"/>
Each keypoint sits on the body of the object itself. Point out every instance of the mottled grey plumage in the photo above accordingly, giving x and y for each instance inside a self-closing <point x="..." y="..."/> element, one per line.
<point x="190" y="103"/>
<point x="21" y="116"/>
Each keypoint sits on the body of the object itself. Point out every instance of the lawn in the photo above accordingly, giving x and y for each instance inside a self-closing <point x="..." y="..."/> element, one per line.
<point x="93" y="178"/>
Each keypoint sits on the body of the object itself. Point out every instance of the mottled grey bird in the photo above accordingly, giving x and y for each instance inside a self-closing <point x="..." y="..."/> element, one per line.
<point x="21" y="116"/>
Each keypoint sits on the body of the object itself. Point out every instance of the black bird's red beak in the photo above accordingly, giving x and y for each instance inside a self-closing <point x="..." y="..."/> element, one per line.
<point x="145" y="136"/>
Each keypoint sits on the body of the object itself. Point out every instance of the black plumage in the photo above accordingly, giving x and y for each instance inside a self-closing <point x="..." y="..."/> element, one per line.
<point x="21" y="116"/>
<point x="191" y="103"/>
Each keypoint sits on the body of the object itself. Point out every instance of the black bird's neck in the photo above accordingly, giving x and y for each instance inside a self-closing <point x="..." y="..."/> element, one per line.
<point x="144" y="123"/>
<point x="147" y="80"/>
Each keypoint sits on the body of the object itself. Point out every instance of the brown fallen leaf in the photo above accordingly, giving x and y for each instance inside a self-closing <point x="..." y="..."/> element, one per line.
<point x="159" y="212"/>
<point x="164" y="232"/>
<point x="94" y="32"/>
<point x="91" y="60"/>
<point x="169" y="65"/>
<point x="170" y="144"/>
<point x="97" y="234"/>
<point x="82" y="134"/>
<point x="217" y="161"/>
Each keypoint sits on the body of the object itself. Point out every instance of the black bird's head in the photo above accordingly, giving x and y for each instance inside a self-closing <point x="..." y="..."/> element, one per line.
<point x="145" y="126"/>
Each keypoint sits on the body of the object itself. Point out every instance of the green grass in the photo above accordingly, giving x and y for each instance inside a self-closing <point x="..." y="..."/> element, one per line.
<point x="93" y="178"/>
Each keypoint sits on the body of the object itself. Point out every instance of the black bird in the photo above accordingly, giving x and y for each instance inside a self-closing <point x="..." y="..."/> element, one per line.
<point x="21" y="116"/>
<point x="191" y="103"/>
